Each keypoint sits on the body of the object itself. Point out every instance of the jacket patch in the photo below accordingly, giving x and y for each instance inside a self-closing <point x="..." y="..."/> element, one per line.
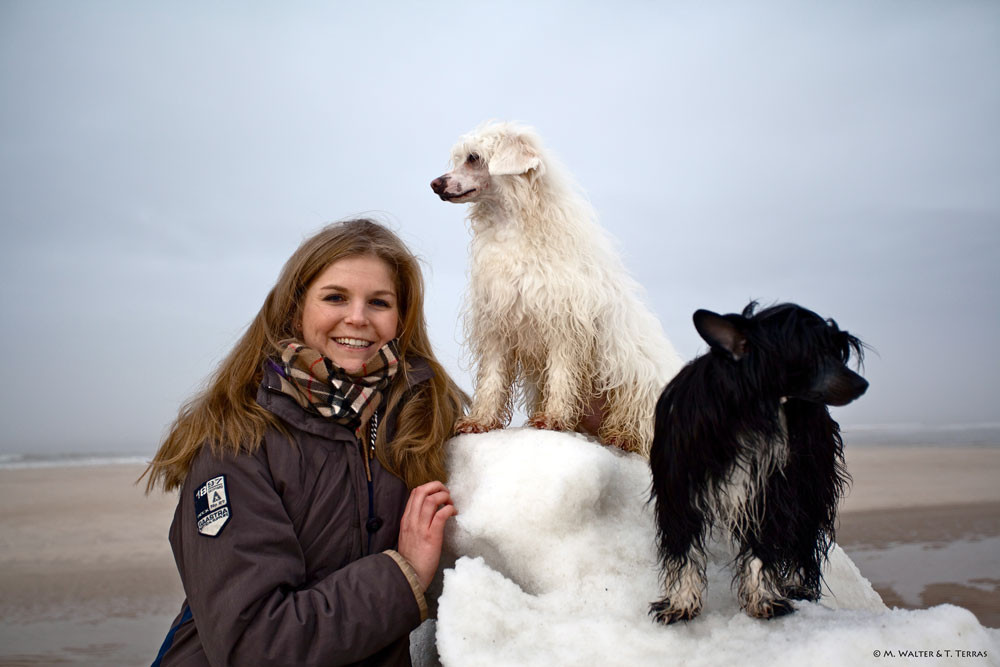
<point x="211" y="506"/>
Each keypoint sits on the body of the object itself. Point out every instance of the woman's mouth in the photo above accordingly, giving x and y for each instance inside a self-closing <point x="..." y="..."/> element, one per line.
<point x="353" y="343"/>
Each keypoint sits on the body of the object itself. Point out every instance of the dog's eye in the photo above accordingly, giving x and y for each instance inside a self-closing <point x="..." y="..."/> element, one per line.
<point x="473" y="158"/>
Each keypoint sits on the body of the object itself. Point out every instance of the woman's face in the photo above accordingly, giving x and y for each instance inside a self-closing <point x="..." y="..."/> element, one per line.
<point x="351" y="310"/>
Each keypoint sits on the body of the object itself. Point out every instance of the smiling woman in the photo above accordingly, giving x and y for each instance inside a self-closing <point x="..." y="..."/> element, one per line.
<point x="350" y="311"/>
<point x="312" y="508"/>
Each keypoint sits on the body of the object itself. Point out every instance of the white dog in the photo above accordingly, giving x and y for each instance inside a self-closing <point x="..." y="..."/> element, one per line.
<point x="550" y="306"/>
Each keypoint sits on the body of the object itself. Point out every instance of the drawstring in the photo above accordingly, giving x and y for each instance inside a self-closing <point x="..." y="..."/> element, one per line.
<point x="368" y="450"/>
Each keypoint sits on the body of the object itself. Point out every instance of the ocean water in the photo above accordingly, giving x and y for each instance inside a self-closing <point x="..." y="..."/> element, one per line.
<point x="982" y="434"/>
<point x="17" y="461"/>
<point x="856" y="435"/>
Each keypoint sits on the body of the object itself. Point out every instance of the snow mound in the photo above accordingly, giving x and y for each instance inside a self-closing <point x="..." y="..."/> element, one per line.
<point x="556" y="565"/>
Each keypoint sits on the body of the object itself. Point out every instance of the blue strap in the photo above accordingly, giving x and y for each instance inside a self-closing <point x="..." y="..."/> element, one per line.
<point x="373" y="522"/>
<point x="169" y="639"/>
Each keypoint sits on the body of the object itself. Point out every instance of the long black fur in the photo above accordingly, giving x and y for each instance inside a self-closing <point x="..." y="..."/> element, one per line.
<point x="766" y="381"/>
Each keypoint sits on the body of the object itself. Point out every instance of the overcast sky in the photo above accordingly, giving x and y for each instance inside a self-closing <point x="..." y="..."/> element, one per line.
<point x="160" y="162"/>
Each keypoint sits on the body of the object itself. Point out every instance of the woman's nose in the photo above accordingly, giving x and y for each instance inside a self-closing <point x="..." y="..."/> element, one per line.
<point x="357" y="314"/>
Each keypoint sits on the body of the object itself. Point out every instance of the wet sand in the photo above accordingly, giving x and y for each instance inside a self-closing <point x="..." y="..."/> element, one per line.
<point x="85" y="568"/>
<point x="923" y="525"/>
<point x="88" y="578"/>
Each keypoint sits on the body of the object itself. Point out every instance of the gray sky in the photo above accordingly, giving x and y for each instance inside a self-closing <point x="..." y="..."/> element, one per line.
<point x="160" y="162"/>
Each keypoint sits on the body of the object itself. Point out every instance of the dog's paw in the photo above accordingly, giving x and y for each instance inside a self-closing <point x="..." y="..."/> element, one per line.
<point x="469" y="425"/>
<point x="665" y="613"/>
<point x="767" y="609"/>
<point x="796" y="592"/>
<point x="546" y="423"/>
<point x="623" y="443"/>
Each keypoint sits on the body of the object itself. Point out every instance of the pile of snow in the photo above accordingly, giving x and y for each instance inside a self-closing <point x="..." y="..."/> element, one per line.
<point x="556" y="565"/>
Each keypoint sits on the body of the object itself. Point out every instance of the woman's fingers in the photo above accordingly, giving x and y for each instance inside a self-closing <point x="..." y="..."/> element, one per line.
<point x="431" y="505"/>
<point x="421" y="530"/>
<point x="441" y="516"/>
<point x="424" y="502"/>
<point x="419" y="495"/>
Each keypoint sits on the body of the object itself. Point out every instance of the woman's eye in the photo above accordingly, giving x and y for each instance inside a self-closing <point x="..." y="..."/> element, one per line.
<point x="380" y="303"/>
<point x="334" y="298"/>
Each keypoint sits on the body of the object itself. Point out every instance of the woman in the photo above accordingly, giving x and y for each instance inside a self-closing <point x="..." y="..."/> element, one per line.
<point x="296" y="536"/>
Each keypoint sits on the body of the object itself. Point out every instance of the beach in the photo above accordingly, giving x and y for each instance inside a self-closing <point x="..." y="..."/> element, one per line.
<point x="922" y="523"/>
<point x="85" y="568"/>
<point x="88" y="578"/>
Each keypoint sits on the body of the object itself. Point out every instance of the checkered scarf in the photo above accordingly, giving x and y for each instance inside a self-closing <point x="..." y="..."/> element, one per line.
<point x="322" y="387"/>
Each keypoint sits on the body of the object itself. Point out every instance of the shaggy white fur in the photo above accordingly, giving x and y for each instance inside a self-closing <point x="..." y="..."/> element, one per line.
<point x="550" y="311"/>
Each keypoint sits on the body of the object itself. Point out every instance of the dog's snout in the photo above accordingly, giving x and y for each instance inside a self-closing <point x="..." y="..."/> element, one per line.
<point x="842" y="388"/>
<point x="439" y="184"/>
<point x="860" y="386"/>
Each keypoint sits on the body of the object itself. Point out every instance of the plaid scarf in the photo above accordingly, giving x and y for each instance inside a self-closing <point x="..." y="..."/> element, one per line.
<point x="322" y="387"/>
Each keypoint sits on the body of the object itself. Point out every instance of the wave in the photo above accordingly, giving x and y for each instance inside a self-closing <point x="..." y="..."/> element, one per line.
<point x="986" y="434"/>
<point x="914" y="433"/>
<point x="19" y="461"/>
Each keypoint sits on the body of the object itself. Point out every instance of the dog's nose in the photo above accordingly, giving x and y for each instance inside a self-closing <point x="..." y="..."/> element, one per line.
<point x="439" y="184"/>
<point x="843" y="388"/>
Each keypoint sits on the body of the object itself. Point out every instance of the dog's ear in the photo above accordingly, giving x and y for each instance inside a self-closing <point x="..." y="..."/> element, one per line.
<point x="514" y="156"/>
<point x="722" y="333"/>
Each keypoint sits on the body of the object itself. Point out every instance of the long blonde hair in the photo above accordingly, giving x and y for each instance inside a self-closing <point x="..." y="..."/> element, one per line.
<point x="226" y="415"/>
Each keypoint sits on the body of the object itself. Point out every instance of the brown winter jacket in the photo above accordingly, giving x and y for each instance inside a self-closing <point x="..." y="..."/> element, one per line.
<point x="290" y="578"/>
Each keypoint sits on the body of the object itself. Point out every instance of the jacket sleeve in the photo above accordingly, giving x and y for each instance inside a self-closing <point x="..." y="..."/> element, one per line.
<point x="247" y="584"/>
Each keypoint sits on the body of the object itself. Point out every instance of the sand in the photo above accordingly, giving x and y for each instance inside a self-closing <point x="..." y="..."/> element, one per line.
<point x="88" y="578"/>
<point x="923" y="525"/>
<point x="85" y="568"/>
<point x="887" y="477"/>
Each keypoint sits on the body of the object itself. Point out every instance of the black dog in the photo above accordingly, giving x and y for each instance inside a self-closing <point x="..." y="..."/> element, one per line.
<point x="743" y="437"/>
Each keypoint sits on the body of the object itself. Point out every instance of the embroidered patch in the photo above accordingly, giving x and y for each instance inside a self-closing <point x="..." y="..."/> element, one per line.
<point x="211" y="506"/>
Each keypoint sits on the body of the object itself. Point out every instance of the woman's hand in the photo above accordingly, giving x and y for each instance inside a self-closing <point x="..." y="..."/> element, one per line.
<point x="421" y="531"/>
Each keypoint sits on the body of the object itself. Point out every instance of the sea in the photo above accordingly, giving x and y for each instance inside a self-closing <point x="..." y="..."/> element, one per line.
<point x="858" y="435"/>
<point x="944" y="435"/>
<point x="61" y="460"/>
